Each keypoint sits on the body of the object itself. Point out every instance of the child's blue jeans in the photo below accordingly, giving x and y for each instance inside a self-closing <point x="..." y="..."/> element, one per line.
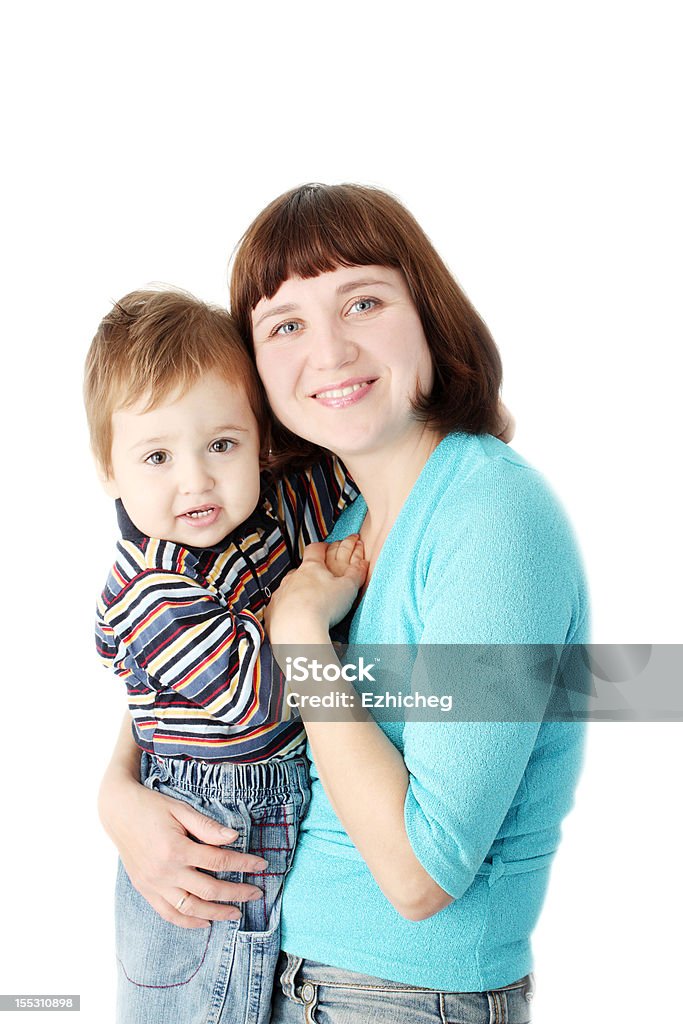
<point x="224" y="973"/>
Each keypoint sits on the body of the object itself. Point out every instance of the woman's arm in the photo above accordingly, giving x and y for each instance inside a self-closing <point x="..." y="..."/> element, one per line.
<point x="153" y="834"/>
<point x="366" y="781"/>
<point x="363" y="773"/>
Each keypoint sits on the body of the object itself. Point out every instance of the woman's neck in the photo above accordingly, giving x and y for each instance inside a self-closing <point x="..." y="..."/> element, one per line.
<point x="385" y="478"/>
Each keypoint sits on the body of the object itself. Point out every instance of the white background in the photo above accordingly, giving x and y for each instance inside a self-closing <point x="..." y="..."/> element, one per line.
<point x="537" y="143"/>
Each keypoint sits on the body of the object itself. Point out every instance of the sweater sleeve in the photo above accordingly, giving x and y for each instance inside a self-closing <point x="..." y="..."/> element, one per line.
<point x="503" y="570"/>
<point x="172" y="633"/>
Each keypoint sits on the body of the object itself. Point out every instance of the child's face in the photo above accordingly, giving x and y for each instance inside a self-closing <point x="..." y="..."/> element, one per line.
<point x="188" y="471"/>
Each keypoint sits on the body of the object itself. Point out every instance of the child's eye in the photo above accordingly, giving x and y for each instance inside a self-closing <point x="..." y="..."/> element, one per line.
<point x="290" y="327"/>
<point x="221" y="444"/>
<point x="157" y="458"/>
<point x="363" y="305"/>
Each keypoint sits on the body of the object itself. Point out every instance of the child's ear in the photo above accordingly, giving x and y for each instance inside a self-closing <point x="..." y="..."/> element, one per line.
<point x="110" y="487"/>
<point x="107" y="480"/>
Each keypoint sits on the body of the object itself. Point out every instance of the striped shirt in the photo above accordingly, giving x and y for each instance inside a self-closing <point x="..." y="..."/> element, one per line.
<point x="183" y="627"/>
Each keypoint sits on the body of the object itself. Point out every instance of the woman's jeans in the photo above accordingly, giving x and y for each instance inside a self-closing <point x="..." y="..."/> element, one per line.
<point x="222" y="974"/>
<point x="312" y="993"/>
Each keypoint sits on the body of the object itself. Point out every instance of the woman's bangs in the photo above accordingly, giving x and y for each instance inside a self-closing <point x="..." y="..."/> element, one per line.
<point x="316" y="241"/>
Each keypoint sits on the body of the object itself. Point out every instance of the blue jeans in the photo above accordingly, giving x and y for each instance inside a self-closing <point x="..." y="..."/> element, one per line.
<point x="312" y="993"/>
<point x="224" y="973"/>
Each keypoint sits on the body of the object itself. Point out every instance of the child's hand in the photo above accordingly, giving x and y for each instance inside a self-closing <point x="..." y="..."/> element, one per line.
<point x="342" y="555"/>
<point x="321" y="591"/>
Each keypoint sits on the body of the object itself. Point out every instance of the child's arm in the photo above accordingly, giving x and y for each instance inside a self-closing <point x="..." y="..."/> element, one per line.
<point x="176" y="636"/>
<point x="326" y="582"/>
<point x="308" y="502"/>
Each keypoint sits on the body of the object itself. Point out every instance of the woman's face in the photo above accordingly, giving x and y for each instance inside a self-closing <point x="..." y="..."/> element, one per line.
<point x="342" y="356"/>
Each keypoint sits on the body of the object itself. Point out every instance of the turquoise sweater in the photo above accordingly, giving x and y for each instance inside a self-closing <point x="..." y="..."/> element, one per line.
<point x="480" y="553"/>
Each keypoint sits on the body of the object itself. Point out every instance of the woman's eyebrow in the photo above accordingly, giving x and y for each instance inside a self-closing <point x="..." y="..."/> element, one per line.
<point x="351" y="286"/>
<point x="289" y="307"/>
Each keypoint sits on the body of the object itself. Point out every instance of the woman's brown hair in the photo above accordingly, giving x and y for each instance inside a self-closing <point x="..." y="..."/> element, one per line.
<point x="317" y="228"/>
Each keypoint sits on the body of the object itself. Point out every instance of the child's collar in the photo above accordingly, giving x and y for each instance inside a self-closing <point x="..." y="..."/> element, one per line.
<point x="260" y="517"/>
<point x="129" y="530"/>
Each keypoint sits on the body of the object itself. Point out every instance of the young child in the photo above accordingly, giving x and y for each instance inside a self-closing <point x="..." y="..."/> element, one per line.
<point x="178" y="425"/>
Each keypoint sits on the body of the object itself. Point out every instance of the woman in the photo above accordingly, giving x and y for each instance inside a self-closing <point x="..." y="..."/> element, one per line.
<point x="424" y="859"/>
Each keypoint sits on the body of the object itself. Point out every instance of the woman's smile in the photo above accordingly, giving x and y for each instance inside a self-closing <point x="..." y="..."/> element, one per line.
<point x="338" y="396"/>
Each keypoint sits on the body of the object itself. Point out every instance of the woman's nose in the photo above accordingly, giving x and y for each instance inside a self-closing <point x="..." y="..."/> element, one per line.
<point x="332" y="348"/>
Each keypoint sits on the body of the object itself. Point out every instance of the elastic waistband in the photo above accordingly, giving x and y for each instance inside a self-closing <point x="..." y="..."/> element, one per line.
<point x="227" y="781"/>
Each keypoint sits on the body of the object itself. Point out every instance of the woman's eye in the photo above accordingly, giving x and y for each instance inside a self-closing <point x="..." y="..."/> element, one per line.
<point x="363" y="305"/>
<point x="223" y="444"/>
<point x="291" y="327"/>
<point x="157" y="458"/>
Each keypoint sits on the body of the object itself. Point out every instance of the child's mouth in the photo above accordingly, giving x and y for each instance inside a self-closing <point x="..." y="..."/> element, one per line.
<point x="203" y="516"/>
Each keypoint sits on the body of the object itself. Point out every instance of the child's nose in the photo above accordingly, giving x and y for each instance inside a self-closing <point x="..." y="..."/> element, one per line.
<point x="196" y="479"/>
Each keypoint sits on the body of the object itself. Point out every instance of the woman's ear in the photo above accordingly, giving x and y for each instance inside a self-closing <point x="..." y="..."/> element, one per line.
<point x="506" y="423"/>
<point x="266" y="446"/>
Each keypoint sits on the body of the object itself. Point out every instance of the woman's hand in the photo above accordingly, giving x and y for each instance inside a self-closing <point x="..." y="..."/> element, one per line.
<point x="321" y="591"/>
<point x="153" y="834"/>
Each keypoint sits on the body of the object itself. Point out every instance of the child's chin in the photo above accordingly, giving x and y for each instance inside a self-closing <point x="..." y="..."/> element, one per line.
<point x="199" y="538"/>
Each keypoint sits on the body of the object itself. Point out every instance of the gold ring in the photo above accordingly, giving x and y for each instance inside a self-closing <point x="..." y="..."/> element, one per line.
<point x="179" y="904"/>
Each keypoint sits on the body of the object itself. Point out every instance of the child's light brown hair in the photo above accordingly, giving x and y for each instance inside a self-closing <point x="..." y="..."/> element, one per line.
<point x="154" y="343"/>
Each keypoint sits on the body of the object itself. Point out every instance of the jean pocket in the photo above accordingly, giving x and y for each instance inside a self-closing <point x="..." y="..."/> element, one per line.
<point x="151" y="952"/>
<point x="273" y="832"/>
